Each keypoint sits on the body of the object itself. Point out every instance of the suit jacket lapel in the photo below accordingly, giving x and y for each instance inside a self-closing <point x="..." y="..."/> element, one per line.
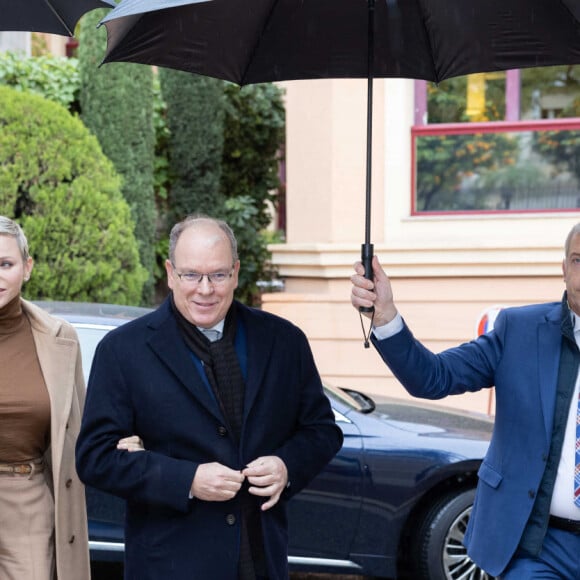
<point x="549" y="351"/>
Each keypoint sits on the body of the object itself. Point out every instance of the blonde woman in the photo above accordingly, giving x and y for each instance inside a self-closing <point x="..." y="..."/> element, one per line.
<point x="43" y="521"/>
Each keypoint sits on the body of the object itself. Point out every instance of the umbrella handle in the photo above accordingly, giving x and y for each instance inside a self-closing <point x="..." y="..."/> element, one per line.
<point x="367" y="262"/>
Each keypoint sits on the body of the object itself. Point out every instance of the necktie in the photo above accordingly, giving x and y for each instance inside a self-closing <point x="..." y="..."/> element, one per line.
<point x="212" y="335"/>
<point x="577" y="466"/>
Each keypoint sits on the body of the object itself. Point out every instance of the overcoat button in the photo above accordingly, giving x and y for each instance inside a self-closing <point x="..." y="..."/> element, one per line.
<point x="532" y="494"/>
<point x="68" y="483"/>
<point x="231" y="519"/>
<point x="222" y="431"/>
<point x="71" y="539"/>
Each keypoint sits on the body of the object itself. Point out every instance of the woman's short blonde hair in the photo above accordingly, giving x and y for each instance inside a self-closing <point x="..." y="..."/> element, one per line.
<point x="9" y="227"/>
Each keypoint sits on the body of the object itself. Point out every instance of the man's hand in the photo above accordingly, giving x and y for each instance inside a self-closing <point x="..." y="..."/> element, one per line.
<point x="133" y="443"/>
<point x="268" y="477"/>
<point x="377" y="293"/>
<point x="216" y="482"/>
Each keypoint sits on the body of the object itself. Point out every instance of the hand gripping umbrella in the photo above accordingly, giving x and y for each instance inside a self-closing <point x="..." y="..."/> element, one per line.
<point x="254" y="41"/>
<point x="51" y="16"/>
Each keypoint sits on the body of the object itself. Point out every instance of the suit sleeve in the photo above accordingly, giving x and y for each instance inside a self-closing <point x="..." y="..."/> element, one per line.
<point x="468" y="367"/>
<point x="144" y="476"/>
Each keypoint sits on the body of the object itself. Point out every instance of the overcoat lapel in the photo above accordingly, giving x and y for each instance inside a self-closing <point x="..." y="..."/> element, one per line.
<point x="169" y="346"/>
<point x="57" y="356"/>
<point x="259" y="350"/>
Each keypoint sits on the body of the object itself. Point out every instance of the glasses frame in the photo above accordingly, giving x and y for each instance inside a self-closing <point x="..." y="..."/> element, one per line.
<point x="201" y="276"/>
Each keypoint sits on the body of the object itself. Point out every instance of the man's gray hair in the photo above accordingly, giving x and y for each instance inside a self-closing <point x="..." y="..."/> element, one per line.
<point x="574" y="231"/>
<point x="9" y="227"/>
<point x="193" y="220"/>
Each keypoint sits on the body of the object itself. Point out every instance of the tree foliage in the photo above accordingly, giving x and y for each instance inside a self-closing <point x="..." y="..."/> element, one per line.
<point x="542" y="81"/>
<point x="445" y="161"/>
<point x="447" y="101"/>
<point x="195" y="114"/>
<point x="117" y="106"/>
<point x="55" y="78"/>
<point x="256" y="266"/>
<point x="217" y="147"/>
<point x="562" y="148"/>
<point x="223" y="151"/>
<point x="56" y="182"/>
<point x="254" y="131"/>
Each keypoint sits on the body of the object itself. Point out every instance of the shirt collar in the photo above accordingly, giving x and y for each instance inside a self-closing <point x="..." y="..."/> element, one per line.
<point x="575" y="322"/>
<point x="220" y="326"/>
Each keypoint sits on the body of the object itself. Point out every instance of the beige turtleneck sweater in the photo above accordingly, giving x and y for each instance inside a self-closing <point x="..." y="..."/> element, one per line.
<point x="24" y="399"/>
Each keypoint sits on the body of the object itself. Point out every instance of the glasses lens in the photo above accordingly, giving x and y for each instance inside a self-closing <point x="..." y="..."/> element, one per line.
<point x="194" y="278"/>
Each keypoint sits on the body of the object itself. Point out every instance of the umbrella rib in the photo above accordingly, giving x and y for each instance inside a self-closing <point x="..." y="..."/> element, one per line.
<point x="428" y="37"/>
<point x="572" y="8"/>
<point x="58" y="16"/>
<point x="255" y="48"/>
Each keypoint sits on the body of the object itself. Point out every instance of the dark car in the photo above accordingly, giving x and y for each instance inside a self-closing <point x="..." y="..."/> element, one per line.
<point x="393" y="503"/>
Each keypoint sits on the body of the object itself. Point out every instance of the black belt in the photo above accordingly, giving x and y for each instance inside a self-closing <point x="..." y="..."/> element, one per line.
<point x="564" y="524"/>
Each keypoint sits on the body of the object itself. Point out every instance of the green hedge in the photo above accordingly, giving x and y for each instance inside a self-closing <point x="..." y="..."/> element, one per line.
<point x="56" y="182"/>
<point x="117" y="106"/>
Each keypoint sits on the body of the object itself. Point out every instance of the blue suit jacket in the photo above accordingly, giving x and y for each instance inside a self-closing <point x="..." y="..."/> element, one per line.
<point x="521" y="358"/>
<point x="143" y="381"/>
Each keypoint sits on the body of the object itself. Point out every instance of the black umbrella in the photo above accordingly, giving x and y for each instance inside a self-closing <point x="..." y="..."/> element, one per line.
<point x="253" y="41"/>
<point x="51" y="16"/>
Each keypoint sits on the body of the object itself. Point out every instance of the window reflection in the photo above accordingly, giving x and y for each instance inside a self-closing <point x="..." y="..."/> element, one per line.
<point x="498" y="168"/>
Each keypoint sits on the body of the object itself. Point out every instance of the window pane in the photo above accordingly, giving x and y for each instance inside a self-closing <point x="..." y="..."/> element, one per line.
<point x="472" y="98"/>
<point x="550" y="92"/>
<point x="530" y="170"/>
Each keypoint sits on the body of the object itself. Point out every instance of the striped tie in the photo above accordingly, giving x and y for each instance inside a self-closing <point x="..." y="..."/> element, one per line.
<point x="577" y="466"/>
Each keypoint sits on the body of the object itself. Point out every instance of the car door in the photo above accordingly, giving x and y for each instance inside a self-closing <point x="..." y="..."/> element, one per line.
<point x="323" y="518"/>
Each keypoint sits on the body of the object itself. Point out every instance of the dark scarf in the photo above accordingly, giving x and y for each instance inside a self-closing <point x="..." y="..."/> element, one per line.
<point x="221" y="365"/>
<point x="224" y="374"/>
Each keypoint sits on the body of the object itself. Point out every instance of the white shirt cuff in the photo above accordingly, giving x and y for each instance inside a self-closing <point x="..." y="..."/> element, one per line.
<point x="389" y="329"/>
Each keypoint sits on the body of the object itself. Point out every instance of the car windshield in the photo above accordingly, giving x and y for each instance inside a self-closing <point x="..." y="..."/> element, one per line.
<point x="354" y="399"/>
<point x="89" y="336"/>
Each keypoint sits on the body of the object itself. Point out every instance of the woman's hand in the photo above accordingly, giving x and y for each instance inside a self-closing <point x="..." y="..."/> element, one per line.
<point x="133" y="443"/>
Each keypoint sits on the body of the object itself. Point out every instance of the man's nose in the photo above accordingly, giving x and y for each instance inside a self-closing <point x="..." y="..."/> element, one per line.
<point x="205" y="285"/>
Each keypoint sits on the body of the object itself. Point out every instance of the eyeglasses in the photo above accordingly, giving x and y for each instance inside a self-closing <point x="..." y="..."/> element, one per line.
<point x="195" y="278"/>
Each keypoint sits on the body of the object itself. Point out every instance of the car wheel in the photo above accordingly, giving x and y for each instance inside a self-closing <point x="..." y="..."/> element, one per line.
<point x="440" y="554"/>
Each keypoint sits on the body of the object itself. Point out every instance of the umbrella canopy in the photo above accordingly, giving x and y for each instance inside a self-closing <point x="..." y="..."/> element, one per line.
<point x="267" y="40"/>
<point x="51" y="16"/>
<point x="254" y="41"/>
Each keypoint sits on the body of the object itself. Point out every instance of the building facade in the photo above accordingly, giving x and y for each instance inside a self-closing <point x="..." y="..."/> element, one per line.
<point x="447" y="267"/>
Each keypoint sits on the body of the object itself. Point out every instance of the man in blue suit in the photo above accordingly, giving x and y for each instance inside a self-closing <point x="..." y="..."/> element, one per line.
<point x="525" y="523"/>
<point x="232" y="425"/>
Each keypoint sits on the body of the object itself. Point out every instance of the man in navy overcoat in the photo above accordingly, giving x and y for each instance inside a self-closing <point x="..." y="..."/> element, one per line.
<point x="525" y="523"/>
<point x="231" y="428"/>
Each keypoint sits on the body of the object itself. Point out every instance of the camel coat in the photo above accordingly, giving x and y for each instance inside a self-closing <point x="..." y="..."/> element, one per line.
<point x="58" y="351"/>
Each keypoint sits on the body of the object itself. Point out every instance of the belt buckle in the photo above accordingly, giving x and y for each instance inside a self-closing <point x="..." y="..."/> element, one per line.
<point x="32" y="466"/>
<point x="29" y="468"/>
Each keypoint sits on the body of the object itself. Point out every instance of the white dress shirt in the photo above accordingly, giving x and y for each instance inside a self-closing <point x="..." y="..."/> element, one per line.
<point x="563" y="497"/>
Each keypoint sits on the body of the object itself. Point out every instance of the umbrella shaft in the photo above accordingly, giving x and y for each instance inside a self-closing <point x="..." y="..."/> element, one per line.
<point x="370" y="74"/>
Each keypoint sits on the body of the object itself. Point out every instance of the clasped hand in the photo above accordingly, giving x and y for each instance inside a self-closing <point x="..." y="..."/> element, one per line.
<point x="266" y="475"/>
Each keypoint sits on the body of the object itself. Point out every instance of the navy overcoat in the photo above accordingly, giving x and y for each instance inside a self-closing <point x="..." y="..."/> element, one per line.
<point x="144" y="381"/>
